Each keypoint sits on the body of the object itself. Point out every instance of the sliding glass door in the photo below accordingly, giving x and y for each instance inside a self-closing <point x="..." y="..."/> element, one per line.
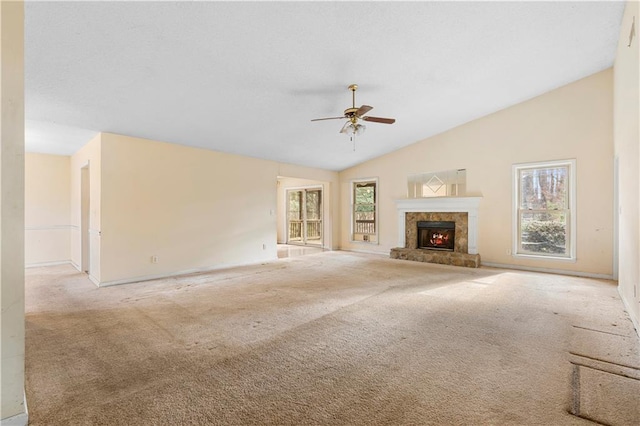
<point x="304" y="216"/>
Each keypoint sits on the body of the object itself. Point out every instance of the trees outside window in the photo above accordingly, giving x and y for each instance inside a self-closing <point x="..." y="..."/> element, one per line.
<point x="545" y="209"/>
<point x="364" y="212"/>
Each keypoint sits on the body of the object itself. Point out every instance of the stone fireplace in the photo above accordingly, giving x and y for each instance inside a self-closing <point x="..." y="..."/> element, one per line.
<point x="438" y="230"/>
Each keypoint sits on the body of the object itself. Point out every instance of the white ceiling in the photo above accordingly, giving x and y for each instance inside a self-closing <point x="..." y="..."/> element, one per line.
<point x="247" y="77"/>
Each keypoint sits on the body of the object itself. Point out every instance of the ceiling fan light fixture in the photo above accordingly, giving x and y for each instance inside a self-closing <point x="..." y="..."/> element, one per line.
<point x="350" y="129"/>
<point x="355" y="129"/>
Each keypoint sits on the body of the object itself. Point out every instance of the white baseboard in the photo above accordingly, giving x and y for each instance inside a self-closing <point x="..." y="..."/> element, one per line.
<point x="178" y="273"/>
<point x="66" y="262"/>
<point x="41" y="264"/>
<point x="547" y="270"/>
<point x="94" y="280"/>
<point x="21" y="419"/>
<point x="365" y="251"/>
<point x="635" y="321"/>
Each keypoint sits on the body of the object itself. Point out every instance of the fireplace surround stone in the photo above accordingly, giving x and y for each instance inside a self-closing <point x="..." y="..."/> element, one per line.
<point x="461" y="220"/>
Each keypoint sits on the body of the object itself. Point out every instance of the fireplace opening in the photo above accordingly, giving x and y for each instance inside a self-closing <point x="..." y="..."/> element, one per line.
<point x="436" y="235"/>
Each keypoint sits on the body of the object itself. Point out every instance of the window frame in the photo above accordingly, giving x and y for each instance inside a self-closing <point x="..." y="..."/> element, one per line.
<point x="352" y="185"/>
<point x="516" y="250"/>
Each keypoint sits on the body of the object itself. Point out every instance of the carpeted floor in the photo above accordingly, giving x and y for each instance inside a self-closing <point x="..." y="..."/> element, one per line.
<point x="331" y="338"/>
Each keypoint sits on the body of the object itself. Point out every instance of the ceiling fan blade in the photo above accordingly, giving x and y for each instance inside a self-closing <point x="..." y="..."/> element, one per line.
<point x="344" y="128"/>
<point x="363" y="110"/>
<point x="379" y="120"/>
<point x="329" y="118"/>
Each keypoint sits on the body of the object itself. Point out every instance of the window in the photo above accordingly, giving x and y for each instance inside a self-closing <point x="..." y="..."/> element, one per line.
<point x="544" y="209"/>
<point x="364" y="213"/>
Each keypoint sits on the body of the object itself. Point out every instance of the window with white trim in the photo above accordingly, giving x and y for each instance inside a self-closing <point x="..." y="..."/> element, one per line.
<point x="364" y="213"/>
<point x="544" y="209"/>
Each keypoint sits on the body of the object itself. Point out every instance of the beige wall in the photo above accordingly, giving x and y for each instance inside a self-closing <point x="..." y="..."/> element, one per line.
<point x="90" y="155"/>
<point x="12" y="212"/>
<point x="47" y="209"/>
<point x="627" y="151"/>
<point x="574" y="121"/>
<point x="194" y="209"/>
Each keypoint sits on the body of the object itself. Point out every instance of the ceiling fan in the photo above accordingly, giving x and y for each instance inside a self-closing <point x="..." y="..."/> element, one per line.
<point x="353" y="114"/>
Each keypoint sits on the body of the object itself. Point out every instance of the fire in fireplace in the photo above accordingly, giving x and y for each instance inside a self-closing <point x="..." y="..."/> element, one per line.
<point x="436" y="235"/>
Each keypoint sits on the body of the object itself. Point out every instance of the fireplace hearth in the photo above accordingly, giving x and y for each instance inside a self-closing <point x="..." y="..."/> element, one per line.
<point x="436" y="235"/>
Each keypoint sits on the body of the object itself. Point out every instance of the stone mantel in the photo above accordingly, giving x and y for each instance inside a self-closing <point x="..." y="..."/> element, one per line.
<point x="467" y="205"/>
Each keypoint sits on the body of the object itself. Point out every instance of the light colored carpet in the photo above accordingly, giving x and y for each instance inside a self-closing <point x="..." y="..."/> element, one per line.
<point x="330" y="338"/>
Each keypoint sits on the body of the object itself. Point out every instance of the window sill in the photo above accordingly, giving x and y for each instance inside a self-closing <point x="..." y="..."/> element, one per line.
<point x="539" y="257"/>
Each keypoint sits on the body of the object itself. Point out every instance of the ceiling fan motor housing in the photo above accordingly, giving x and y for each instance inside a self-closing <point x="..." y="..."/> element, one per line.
<point x="350" y="113"/>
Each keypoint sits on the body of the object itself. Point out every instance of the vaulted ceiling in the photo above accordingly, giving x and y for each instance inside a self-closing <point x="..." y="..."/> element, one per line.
<point x="247" y="77"/>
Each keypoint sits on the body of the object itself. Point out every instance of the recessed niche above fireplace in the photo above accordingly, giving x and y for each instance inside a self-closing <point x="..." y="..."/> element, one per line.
<point x="448" y="183"/>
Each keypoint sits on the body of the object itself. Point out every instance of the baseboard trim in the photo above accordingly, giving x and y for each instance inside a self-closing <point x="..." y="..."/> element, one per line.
<point x="365" y="252"/>
<point x="94" y="280"/>
<point x="41" y="264"/>
<point x="21" y="419"/>
<point x="547" y="270"/>
<point x="79" y="269"/>
<point x="635" y="321"/>
<point x="179" y="273"/>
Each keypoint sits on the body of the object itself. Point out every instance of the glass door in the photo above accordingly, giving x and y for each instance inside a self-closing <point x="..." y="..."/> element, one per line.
<point x="313" y="216"/>
<point x="304" y="216"/>
<point x="294" y="217"/>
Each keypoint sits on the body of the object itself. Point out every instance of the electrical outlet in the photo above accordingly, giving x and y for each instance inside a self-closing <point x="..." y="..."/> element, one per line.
<point x="154" y="259"/>
<point x="508" y="252"/>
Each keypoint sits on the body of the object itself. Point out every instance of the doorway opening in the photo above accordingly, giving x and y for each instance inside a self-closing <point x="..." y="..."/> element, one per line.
<point x="304" y="216"/>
